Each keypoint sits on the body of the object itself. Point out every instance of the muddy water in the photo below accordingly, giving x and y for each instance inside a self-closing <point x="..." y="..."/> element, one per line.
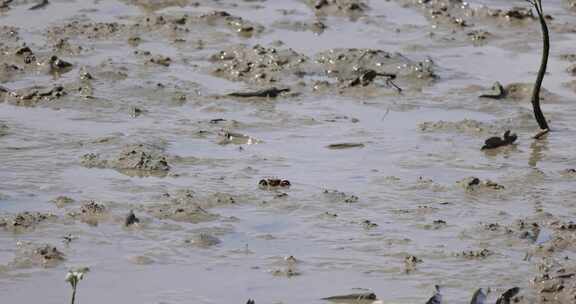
<point x="352" y="214"/>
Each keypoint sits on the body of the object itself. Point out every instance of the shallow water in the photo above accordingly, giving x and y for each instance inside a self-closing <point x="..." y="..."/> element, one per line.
<point x="405" y="178"/>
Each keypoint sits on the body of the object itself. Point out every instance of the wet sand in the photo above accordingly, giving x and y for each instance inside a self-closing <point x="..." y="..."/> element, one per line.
<point x="112" y="106"/>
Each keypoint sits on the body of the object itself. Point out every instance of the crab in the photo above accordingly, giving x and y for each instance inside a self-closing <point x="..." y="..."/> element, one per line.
<point x="274" y="183"/>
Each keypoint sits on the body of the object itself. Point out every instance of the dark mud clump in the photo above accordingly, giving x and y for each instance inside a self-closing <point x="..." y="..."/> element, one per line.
<point x="368" y="224"/>
<point x="181" y="213"/>
<point x="571" y="70"/>
<point x="411" y="262"/>
<point x="19" y="61"/>
<point x="512" y="14"/>
<point x="189" y="197"/>
<point x="316" y="27"/>
<point x="549" y="235"/>
<point x="339" y="196"/>
<point x="474" y="184"/>
<point x="59" y="66"/>
<point x="203" y="240"/>
<point x="458" y="14"/>
<point x="182" y="207"/>
<point x="86" y="30"/>
<point x="135" y="159"/>
<point x="64" y="47"/>
<point x="35" y="95"/>
<point x="150" y="58"/>
<point x="236" y="24"/>
<point x="474" y="254"/>
<point x="218" y="199"/>
<point x="25" y="220"/>
<point x="91" y="212"/>
<point x="141" y="157"/>
<point x="62" y="201"/>
<point x="442" y="12"/>
<point x="554" y="240"/>
<point x="37" y="255"/>
<point x="352" y="8"/>
<point x="92" y="160"/>
<point x="570" y="57"/>
<point x="367" y="77"/>
<point x="177" y="27"/>
<point x="349" y="66"/>
<point x="479" y="37"/>
<point x="557" y="282"/>
<point x="131" y="219"/>
<point x="258" y="64"/>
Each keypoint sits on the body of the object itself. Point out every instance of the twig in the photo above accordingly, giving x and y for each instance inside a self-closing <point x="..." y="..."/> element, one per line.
<point x="40" y="5"/>
<point x="540" y="119"/>
<point x="73" y="295"/>
<point x="386" y="113"/>
<point x="392" y="84"/>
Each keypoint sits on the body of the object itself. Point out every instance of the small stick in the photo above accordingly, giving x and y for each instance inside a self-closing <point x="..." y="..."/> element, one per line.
<point x="386" y="114"/>
<point x="540" y="119"/>
<point x="73" y="295"/>
<point x="40" y="5"/>
<point x="391" y="83"/>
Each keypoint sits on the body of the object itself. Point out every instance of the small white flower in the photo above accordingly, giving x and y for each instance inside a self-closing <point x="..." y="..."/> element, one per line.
<point x="69" y="276"/>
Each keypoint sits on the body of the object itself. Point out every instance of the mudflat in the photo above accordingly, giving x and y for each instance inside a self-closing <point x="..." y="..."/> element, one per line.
<point x="287" y="151"/>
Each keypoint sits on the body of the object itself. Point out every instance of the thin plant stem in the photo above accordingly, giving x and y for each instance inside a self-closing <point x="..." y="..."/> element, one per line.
<point x="73" y="295"/>
<point x="540" y="119"/>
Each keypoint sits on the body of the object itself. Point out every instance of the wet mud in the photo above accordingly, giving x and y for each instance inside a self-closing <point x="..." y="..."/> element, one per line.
<point x="30" y="255"/>
<point x="285" y="151"/>
<point x="132" y="159"/>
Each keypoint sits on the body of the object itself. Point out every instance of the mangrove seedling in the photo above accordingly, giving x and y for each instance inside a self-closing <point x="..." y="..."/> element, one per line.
<point x="540" y="119"/>
<point x="73" y="277"/>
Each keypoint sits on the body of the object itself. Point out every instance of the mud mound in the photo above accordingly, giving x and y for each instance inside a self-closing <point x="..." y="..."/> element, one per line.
<point x="140" y="159"/>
